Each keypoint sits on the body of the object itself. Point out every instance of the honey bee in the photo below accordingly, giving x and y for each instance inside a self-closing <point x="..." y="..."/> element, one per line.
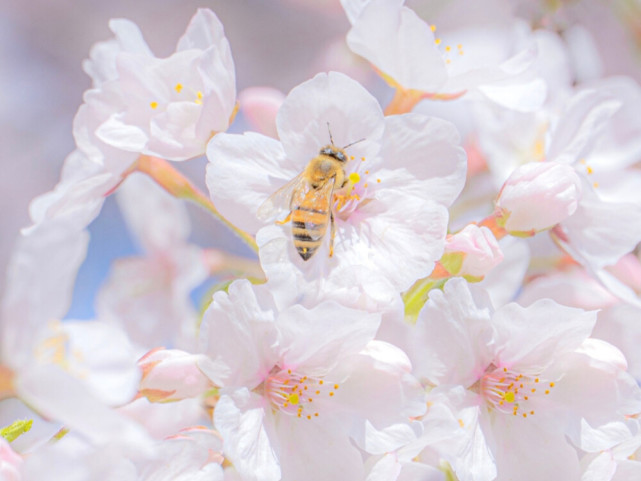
<point x="309" y="197"/>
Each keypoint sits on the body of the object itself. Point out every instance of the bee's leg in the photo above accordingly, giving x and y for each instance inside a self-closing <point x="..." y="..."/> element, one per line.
<point x="285" y="220"/>
<point x="332" y="232"/>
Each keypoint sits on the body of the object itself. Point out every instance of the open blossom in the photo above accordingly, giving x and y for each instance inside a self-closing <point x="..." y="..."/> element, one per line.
<point x="401" y="173"/>
<point x="523" y="368"/>
<point x="165" y="107"/>
<point x="298" y="385"/>
<point x="415" y="56"/>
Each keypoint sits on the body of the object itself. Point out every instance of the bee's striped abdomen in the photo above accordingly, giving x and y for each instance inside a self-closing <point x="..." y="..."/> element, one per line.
<point x="308" y="228"/>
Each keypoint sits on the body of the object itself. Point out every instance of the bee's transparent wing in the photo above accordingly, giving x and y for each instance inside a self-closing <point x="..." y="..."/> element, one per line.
<point x="279" y="200"/>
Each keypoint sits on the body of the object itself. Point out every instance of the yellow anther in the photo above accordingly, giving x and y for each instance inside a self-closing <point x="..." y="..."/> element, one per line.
<point x="354" y="178"/>
<point x="437" y="41"/>
<point x="335" y="386"/>
<point x="509" y="396"/>
<point x="365" y="185"/>
<point x="351" y="157"/>
<point x="153" y="105"/>
<point x="293" y="398"/>
<point x="378" y="180"/>
<point x="460" y="52"/>
<point x="331" y="393"/>
<point x="309" y="416"/>
<point x="551" y="384"/>
<point x="448" y="61"/>
<point x="433" y="28"/>
<point x="461" y="423"/>
<point x="363" y="159"/>
<point x="199" y="97"/>
<point x="178" y="87"/>
<point x="589" y="170"/>
<point x="459" y="46"/>
<point x="595" y="185"/>
<point x="448" y="48"/>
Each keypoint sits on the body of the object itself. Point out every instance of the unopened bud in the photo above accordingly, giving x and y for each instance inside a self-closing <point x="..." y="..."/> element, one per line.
<point x="471" y="253"/>
<point x="172" y="375"/>
<point x="537" y="196"/>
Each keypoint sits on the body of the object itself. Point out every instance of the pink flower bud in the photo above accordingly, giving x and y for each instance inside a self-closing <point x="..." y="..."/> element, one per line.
<point x="537" y="196"/>
<point x="476" y="248"/>
<point x="259" y="105"/>
<point x="172" y="375"/>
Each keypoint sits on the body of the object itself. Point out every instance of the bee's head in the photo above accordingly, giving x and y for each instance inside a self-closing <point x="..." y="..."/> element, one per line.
<point x="334" y="152"/>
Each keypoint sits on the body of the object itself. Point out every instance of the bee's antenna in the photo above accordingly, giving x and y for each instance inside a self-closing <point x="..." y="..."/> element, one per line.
<point x="349" y="145"/>
<point x="330" y="134"/>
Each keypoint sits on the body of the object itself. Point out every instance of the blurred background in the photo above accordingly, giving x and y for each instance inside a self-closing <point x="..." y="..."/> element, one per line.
<point x="276" y="43"/>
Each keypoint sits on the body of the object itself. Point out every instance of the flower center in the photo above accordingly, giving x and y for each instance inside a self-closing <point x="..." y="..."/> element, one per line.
<point x="511" y="392"/>
<point x="297" y="395"/>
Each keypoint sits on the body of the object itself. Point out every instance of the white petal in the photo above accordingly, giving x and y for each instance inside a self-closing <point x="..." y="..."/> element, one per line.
<point x="335" y="99"/>
<point x="203" y="31"/>
<point x="243" y="171"/>
<point x="240" y="420"/>
<point x="399" y="44"/>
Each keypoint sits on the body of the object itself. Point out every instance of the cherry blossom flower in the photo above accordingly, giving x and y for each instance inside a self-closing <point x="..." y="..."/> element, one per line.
<point x="524" y="370"/>
<point x="391" y="215"/>
<point x="297" y="384"/>
<point x="422" y="63"/>
<point x="165" y="107"/>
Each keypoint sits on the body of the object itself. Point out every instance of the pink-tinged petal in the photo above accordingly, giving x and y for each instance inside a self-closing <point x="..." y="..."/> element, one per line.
<point x="399" y="44"/>
<point x="259" y="105"/>
<point x="580" y="126"/>
<point x="596" y="397"/>
<point x="10" y="462"/>
<point x="388" y="468"/>
<point x="56" y="395"/>
<point x="101" y="65"/>
<point x="478" y="249"/>
<point x="121" y="135"/>
<point x="241" y="420"/>
<point x="380" y="390"/>
<point x="401" y="236"/>
<point x="531" y="338"/>
<point x="172" y="375"/>
<point x="528" y="451"/>
<point x="453" y="333"/>
<point x="318" y="339"/>
<point x="243" y="171"/>
<point x="335" y="99"/>
<point x="316" y="451"/>
<point x="537" y="196"/>
<point x="245" y="316"/>
<point x="203" y="31"/>
<point x="601" y="232"/>
<point x="619" y="325"/>
<point x="422" y="156"/>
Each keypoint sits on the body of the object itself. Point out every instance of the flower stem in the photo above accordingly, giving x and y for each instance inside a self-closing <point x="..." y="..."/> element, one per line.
<point x="180" y="187"/>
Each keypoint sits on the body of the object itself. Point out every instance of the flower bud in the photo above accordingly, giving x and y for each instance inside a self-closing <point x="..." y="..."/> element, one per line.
<point x="171" y="375"/>
<point x="471" y="253"/>
<point x="537" y="196"/>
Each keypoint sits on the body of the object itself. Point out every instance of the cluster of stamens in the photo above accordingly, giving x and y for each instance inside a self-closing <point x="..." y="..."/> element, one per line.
<point x="179" y="88"/>
<point x="512" y="393"/>
<point x="448" y="48"/>
<point x="297" y="395"/>
<point x="348" y="193"/>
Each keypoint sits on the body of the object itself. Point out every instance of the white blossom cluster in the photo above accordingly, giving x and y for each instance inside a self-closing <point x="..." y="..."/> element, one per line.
<point x="472" y="307"/>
